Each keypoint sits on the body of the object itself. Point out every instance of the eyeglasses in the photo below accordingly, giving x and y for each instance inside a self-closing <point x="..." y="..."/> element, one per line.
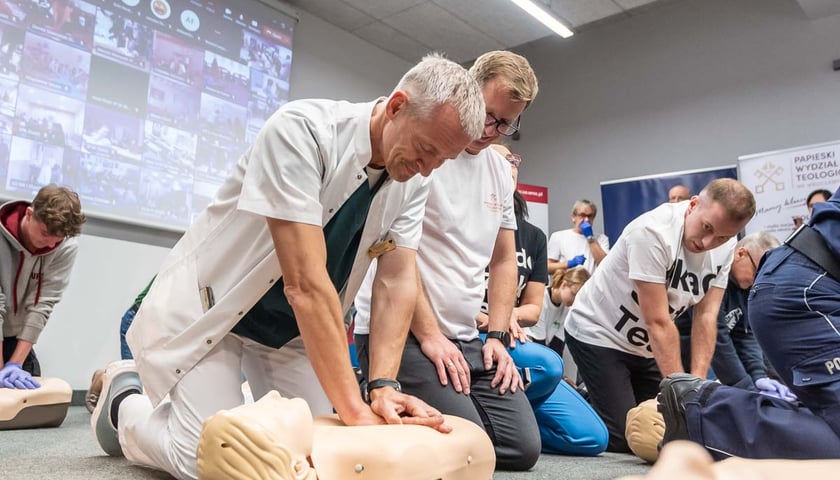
<point x="502" y="126"/>
<point x="584" y="215"/>
<point x="752" y="262"/>
<point x="515" y="159"/>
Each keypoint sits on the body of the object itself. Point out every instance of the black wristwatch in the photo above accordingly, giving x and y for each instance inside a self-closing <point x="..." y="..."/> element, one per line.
<point x="379" y="383"/>
<point x="501" y="336"/>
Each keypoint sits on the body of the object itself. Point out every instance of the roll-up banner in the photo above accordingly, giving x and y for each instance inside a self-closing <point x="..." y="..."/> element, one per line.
<point x="781" y="181"/>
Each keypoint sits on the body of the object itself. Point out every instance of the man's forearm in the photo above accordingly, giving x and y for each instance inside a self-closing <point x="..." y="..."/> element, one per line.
<point x="598" y="252"/>
<point x="424" y="324"/>
<point x="703" y="339"/>
<point x="501" y="293"/>
<point x="21" y="351"/>
<point x="665" y="343"/>
<point x="392" y="306"/>
<point x="554" y="265"/>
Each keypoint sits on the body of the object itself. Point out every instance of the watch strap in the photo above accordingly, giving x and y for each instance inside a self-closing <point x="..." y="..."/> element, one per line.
<point x="380" y="383"/>
<point x="499" y="335"/>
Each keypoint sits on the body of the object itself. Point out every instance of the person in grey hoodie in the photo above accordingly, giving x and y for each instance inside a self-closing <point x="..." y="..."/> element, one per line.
<point x="37" y="251"/>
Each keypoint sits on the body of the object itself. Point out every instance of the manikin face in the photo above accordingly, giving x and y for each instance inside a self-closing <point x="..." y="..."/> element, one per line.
<point x="412" y="145"/>
<point x="707" y="225"/>
<point x="498" y="105"/>
<point x="34" y="234"/>
<point x="744" y="267"/>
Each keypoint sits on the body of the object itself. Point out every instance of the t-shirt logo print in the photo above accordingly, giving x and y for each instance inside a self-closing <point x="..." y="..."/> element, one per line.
<point x="492" y="203"/>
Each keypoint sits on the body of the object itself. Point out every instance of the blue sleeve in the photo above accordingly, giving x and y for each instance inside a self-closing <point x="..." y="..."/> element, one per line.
<point x="826" y="220"/>
<point x="748" y="349"/>
<point x="725" y="362"/>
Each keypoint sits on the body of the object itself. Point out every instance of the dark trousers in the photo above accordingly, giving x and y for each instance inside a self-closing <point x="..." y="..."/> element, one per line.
<point x="508" y="419"/>
<point x="795" y="315"/>
<point x="30" y="363"/>
<point x="616" y="381"/>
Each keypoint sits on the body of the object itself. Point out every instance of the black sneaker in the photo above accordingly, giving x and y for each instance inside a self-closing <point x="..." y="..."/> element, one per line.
<point x="674" y="392"/>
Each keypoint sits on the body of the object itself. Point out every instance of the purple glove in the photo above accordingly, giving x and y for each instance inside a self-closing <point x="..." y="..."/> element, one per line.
<point x="576" y="261"/>
<point x="13" y="376"/>
<point x="586" y="228"/>
<point x="768" y="386"/>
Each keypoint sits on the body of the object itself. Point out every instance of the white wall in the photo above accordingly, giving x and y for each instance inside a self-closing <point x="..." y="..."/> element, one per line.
<point x="692" y="84"/>
<point x="83" y="333"/>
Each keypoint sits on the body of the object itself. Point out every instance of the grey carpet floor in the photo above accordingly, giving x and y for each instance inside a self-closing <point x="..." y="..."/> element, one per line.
<point x="71" y="453"/>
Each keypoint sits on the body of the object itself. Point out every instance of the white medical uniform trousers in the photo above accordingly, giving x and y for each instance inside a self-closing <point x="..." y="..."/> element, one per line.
<point x="166" y="437"/>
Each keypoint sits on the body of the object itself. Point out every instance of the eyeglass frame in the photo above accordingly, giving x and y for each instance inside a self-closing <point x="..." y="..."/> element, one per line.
<point x="514" y="159"/>
<point x="755" y="267"/>
<point x="498" y="123"/>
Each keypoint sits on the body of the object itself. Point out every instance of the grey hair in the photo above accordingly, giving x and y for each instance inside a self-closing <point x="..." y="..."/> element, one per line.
<point x="758" y="242"/>
<point x="436" y="81"/>
<point x="585" y="203"/>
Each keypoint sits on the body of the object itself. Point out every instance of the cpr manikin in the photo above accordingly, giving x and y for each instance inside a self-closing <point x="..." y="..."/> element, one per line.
<point x="272" y="438"/>
<point x="645" y="429"/>
<point x="45" y="406"/>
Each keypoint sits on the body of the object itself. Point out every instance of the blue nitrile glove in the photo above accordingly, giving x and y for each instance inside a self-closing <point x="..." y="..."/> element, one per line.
<point x="13" y="376"/>
<point x="768" y="386"/>
<point x="586" y="228"/>
<point x="576" y="261"/>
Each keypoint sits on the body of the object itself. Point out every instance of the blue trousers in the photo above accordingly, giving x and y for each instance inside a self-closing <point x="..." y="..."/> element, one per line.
<point x="794" y="310"/>
<point x="568" y="425"/>
<point x="127" y="318"/>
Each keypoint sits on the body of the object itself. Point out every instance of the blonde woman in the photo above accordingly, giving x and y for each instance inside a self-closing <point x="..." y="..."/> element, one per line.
<point x="565" y="283"/>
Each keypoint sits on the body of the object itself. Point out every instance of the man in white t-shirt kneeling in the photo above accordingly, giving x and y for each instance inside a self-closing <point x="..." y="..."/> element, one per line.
<point x="621" y="328"/>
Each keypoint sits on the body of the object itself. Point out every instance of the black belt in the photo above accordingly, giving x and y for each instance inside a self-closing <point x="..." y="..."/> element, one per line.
<point x="810" y="243"/>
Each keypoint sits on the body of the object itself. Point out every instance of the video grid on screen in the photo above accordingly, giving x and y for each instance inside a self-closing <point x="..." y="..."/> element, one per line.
<point x="142" y="106"/>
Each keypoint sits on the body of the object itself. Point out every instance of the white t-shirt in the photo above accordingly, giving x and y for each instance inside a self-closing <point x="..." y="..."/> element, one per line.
<point x="568" y="244"/>
<point x="470" y="199"/>
<point x="605" y="312"/>
<point x="552" y="318"/>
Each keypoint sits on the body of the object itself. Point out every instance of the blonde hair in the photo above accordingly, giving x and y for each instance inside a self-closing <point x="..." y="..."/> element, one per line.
<point x="60" y="210"/>
<point x="572" y="276"/>
<point x="512" y="70"/>
<point x="436" y="81"/>
<point x="735" y="198"/>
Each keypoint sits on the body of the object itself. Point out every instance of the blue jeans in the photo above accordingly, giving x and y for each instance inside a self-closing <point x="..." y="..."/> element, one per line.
<point x="127" y="318"/>
<point x="795" y="315"/>
<point x="568" y="424"/>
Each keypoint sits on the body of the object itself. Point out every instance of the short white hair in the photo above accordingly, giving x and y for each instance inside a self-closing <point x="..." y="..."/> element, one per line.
<point x="436" y="81"/>
<point x="759" y="242"/>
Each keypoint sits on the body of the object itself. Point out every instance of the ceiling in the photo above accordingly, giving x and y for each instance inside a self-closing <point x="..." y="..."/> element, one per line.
<point x="463" y="29"/>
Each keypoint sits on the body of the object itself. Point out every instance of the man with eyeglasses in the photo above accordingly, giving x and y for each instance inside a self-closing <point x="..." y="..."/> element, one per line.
<point x="578" y="245"/>
<point x="469" y="224"/>
<point x="621" y="331"/>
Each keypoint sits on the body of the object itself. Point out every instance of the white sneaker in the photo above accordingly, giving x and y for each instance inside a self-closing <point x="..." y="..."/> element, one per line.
<point x="118" y="378"/>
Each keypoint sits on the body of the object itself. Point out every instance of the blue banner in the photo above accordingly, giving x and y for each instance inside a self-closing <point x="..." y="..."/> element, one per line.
<point x="625" y="199"/>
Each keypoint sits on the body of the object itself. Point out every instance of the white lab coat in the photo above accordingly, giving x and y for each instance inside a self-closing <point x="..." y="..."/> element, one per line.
<point x="304" y="164"/>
